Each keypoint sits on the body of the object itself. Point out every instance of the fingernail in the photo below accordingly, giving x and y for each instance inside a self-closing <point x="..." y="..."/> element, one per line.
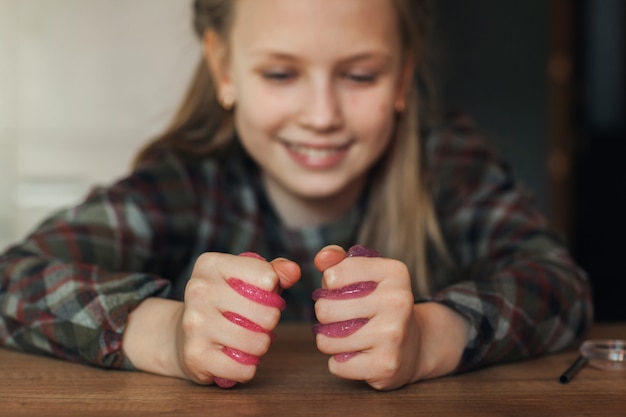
<point x="355" y="290"/>
<point x="340" y="328"/>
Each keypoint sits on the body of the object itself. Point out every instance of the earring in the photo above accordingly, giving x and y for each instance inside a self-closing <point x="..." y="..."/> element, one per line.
<point x="400" y="105"/>
<point x="227" y="101"/>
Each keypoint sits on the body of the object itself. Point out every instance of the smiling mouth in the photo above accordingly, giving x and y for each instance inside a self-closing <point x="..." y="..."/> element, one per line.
<point x="317" y="152"/>
<point x="317" y="157"/>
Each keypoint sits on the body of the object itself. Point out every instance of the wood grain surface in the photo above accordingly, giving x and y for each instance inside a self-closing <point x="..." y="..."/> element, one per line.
<point x="293" y="380"/>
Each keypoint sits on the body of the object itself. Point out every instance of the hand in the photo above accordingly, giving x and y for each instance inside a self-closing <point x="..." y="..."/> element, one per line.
<point x="367" y="319"/>
<point x="231" y="307"/>
<point x="368" y="322"/>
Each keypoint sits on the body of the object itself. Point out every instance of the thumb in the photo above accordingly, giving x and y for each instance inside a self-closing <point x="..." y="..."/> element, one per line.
<point x="288" y="272"/>
<point x="329" y="256"/>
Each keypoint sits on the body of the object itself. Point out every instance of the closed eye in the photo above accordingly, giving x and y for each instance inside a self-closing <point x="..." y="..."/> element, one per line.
<point x="279" y="76"/>
<point x="361" y="78"/>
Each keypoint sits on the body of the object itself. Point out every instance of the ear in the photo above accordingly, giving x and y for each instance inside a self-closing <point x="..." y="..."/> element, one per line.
<point x="216" y="55"/>
<point x="405" y="82"/>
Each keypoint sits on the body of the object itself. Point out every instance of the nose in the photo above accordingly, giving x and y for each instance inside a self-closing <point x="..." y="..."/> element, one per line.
<point x="321" y="108"/>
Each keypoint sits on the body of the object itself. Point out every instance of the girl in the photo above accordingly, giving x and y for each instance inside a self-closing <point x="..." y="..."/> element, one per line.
<point x="306" y="130"/>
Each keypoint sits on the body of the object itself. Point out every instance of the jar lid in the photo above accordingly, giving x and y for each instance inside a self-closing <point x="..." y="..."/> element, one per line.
<point x="609" y="354"/>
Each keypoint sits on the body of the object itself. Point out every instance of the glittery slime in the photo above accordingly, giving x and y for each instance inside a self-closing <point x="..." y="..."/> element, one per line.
<point x="241" y="357"/>
<point x="350" y="291"/>
<point x="340" y="328"/>
<point x="360" y="250"/>
<point x="247" y="323"/>
<point x="354" y="290"/>
<point x="255" y="294"/>
<point x="224" y="383"/>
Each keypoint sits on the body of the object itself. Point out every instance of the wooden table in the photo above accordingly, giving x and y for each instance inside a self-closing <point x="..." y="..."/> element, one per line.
<point x="293" y="381"/>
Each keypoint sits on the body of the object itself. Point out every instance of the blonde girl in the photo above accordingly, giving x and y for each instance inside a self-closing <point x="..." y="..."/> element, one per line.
<point x="307" y="130"/>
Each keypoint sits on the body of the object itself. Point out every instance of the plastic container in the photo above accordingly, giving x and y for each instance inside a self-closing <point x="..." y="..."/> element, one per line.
<point x="609" y="354"/>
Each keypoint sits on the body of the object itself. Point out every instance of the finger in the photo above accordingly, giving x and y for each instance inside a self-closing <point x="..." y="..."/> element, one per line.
<point x="349" y="290"/>
<point x="356" y="337"/>
<point x="332" y="311"/>
<point x="329" y="256"/>
<point x="359" y="366"/>
<point x="267" y="283"/>
<point x="384" y="271"/>
<point x="206" y="360"/>
<point x="288" y="272"/>
<point x="239" y="357"/>
<point x="234" y="335"/>
<point x="355" y="357"/>
<point x="382" y="371"/>
<point x="234" y="365"/>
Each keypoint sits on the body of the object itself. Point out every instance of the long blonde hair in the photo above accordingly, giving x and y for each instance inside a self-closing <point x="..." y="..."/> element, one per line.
<point x="400" y="217"/>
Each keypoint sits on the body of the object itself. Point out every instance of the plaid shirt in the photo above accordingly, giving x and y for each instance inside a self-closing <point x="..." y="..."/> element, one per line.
<point x="67" y="289"/>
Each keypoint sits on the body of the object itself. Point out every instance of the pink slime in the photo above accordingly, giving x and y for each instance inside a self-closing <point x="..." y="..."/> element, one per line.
<point x="255" y="294"/>
<point x="224" y="383"/>
<point x="252" y="255"/>
<point x="247" y="324"/>
<point x="241" y="357"/>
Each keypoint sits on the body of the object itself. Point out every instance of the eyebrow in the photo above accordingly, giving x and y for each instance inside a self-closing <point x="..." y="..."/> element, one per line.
<point x="359" y="56"/>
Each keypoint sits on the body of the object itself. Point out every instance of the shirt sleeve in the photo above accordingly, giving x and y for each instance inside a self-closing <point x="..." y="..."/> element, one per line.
<point x="510" y="276"/>
<point x="68" y="288"/>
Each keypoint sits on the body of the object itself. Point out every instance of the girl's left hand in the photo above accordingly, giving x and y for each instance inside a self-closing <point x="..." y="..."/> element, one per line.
<point x="367" y="321"/>
<point x="372" y="329"/>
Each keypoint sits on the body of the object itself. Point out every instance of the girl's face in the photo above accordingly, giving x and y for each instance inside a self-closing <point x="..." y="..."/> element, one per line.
<point x="316" y="84"/>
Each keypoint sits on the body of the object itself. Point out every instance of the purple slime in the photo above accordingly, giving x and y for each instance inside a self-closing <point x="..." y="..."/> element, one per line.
<point x="340" y="328"/>
<point x="360" y="250"/>
<point x="354" y="290"/>
<point x="345" y="357"/>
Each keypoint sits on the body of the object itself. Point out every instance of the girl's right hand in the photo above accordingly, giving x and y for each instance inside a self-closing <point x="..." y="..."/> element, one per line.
<point x="230" y="310"/>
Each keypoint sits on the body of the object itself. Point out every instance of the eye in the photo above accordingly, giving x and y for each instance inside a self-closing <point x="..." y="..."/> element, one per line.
<point x="279" y="76"/>
<point x="360" y="78"/>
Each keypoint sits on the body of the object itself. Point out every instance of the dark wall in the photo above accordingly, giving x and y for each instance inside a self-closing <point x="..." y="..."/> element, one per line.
<point x="492" y="58"/>
<point x="493" y="55"/>
<point x="599" y="206"/>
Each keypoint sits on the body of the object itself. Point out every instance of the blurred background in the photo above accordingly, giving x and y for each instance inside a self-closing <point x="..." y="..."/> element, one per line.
<point x="84" y="83"/>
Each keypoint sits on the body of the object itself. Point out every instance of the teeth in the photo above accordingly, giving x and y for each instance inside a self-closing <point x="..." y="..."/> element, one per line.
<point x="315" y="153"/>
